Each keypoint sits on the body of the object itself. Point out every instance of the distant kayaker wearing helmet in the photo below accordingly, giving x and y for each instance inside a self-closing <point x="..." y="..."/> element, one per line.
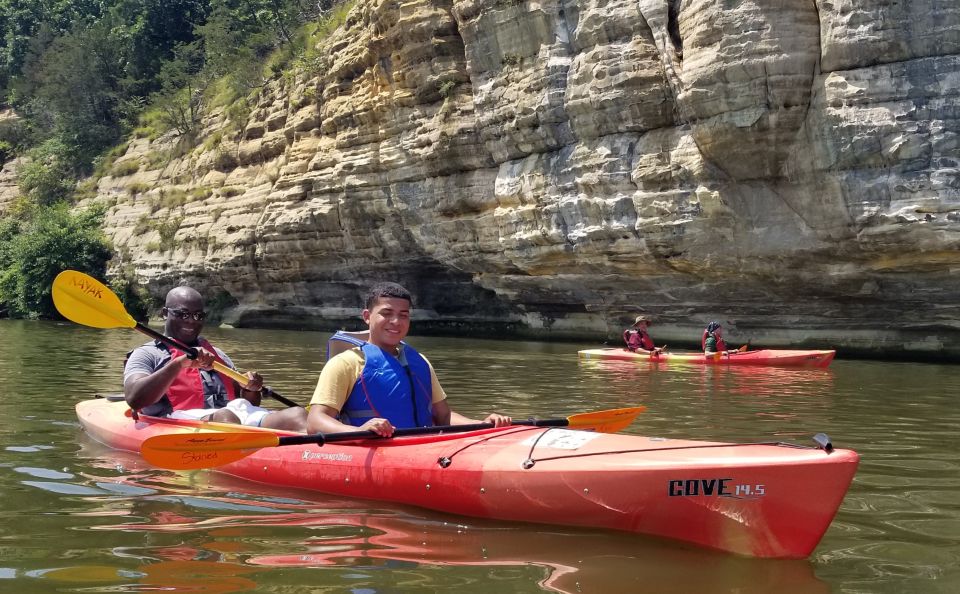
<point x="383" y="384"/>
<point x="712" y="341"/>
<point x="162" y="381"/>
<point x="638" y="338"/>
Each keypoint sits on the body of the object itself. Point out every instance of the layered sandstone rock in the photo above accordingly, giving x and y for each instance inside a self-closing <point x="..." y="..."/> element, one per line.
<point x="8" y="170"/>
<point x="554" y="167"/>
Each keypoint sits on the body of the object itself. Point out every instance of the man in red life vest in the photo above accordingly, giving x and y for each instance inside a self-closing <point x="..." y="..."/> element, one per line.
<point x="638" y="339"/>
<point x="162" y="381"/>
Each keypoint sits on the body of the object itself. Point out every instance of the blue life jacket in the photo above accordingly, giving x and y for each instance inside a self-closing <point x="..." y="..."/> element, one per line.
<point x="402" y="394"/>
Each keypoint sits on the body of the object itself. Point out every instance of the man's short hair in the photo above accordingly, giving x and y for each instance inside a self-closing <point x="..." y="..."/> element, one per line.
<point x="387" y="290"/>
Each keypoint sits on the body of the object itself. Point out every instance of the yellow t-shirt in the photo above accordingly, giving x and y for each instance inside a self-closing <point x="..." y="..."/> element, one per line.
<point x="340" y="374"/>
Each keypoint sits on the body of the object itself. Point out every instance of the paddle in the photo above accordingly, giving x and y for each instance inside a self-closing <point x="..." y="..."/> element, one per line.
<point x="83" y="299"/>
<point x="185" y="451"/>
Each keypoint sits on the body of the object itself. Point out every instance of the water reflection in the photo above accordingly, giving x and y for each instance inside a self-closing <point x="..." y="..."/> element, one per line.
<point x="716" y="402"/>
<point x="573" y="561"/>
<point x="158" y="574"/>
<point x="706" y="380"/>
<point x="253" y="527"/>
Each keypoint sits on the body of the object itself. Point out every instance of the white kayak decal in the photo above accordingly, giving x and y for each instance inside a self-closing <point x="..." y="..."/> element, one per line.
<point x="337" y="457"/>
<point x="561" y="439"/>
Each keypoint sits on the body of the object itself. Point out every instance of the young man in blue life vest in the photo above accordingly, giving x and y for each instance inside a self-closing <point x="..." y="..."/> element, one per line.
<point x="638" y="338"/>
<point x="383" y="384"/>
<point x="162" y="381"/>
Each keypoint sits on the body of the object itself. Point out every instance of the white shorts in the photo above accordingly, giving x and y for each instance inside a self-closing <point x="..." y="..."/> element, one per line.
<point x="249" y="414"/>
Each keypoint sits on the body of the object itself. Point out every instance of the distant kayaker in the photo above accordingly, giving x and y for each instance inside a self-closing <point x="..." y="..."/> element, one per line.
<point x="712" y="341"/>
<point x="162" y="381"/>
<point x="383" y="384"/>
<point x="638" y="338"/>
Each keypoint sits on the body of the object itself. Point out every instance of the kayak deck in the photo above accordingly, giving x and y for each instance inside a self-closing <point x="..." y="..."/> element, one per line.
<point x="770" y="357"/>
<point x="761" y="500"/>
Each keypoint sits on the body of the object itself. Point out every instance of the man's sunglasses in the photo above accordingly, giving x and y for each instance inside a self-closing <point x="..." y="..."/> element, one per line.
<point x="183" y="314"/>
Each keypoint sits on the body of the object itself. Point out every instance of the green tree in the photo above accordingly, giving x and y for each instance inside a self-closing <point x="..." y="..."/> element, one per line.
<point x="182" y="89"/>
<point x="80" y="86"/>
<point x="21" y="21"/>
<point x="235" y="41"/>
<point x="150" y="31"/>
<point x="33" y="251"/>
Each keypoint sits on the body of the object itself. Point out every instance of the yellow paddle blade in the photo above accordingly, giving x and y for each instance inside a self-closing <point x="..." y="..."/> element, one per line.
<point x="185" y="451"/>
<point x="83" y="299"/>
<point x="606" y="421"/>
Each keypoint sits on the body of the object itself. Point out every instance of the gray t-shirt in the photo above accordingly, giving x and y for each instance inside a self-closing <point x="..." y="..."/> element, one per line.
<point x="147" y="358"/>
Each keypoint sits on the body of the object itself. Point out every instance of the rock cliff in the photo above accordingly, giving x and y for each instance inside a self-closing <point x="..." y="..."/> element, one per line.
<point x="553" y="168"/>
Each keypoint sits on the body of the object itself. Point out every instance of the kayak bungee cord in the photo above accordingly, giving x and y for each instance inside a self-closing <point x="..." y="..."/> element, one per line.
<point x="531" y="461"/>
<point x="446" y="461"/>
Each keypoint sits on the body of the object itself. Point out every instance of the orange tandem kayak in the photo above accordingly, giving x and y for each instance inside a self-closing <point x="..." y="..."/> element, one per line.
<point x="761" y="500"/>
<point x="771" y="357"/>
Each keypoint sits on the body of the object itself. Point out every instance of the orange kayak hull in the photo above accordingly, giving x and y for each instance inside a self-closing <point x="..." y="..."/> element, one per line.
<point x="769" y="357"/>
<point x="758" y="500"/>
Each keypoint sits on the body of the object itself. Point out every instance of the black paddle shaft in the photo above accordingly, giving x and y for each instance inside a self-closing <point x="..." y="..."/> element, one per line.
<point x="192" y="353"/>
<point x="321" y="438"/>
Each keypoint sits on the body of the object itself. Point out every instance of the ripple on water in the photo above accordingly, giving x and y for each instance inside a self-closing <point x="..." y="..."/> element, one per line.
<point x="941" y="499"/>
<point x="28" y="449"/>
<point x="44" y="473"/>
<point x="891" y="503"/>
<point x="216" y="504"/>
<point x="906" y="462"/>
<point x="855" y="529"/>
<point x="930" y="528"/>
<point x="125" y="489"/>
<point x="64" y="488"/>
<point x="894" y="558"/>
<point x="904" y="473"/>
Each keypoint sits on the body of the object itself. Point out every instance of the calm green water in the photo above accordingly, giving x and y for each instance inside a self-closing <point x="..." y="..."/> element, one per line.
<point x="77" y="517"/>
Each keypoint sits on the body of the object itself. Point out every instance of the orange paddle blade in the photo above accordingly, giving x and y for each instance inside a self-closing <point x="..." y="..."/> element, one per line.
<point x="606" y="421"/>
<point x="186" y="451"/>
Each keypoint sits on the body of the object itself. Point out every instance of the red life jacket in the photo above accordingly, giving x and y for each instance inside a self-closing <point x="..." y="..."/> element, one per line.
<point x="187" y="390"/>
<point x="637" y="339"/>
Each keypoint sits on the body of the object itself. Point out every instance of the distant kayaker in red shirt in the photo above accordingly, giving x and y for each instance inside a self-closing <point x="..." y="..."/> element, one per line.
<point x="162" y="381"/>
<point x="638" y="338"/>
<point x="383" y="383"/>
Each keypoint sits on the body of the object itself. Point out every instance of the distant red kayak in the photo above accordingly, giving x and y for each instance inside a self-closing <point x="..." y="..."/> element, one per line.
<point x="760" y="500"/>
<point x="773" y="357"/>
